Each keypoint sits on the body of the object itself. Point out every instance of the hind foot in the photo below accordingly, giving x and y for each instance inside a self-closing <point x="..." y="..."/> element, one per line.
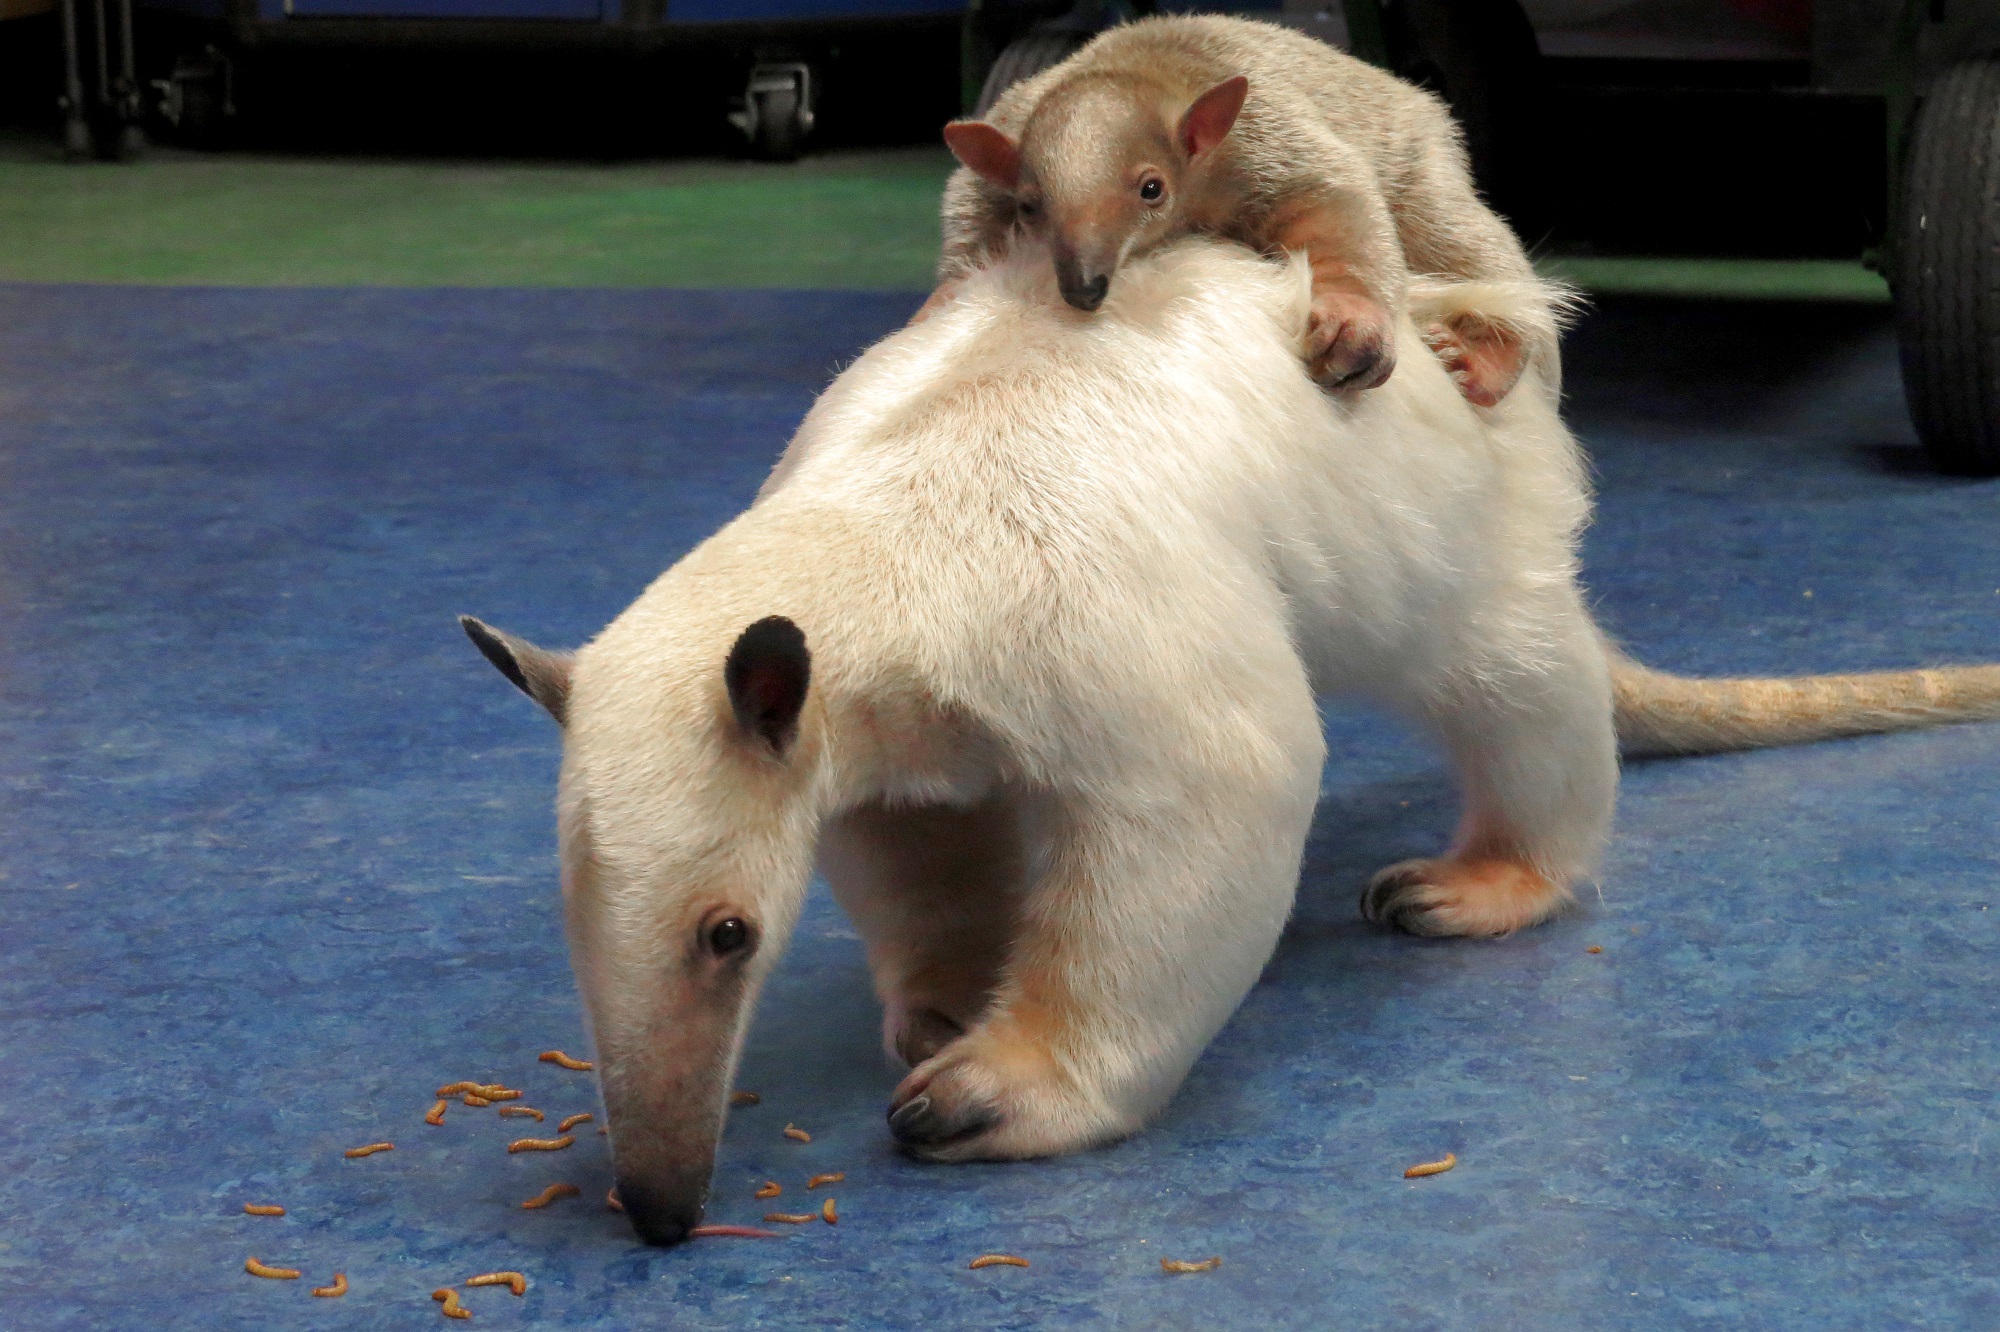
<point x="1453" y="895"/>
<point x="1483" y="359"/>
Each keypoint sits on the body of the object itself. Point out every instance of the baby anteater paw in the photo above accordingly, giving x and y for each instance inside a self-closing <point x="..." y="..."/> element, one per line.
<point x="1473" y="896"/>
<point x="1483" y="359"/>
<point x="1350" y="342"/>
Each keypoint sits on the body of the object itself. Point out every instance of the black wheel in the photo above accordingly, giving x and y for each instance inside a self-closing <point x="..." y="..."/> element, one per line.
<point x="1025" y="57"/>
<point x="1947" y="270"/>
<point x="778" y="128"/>
<point x="201" y="113"/>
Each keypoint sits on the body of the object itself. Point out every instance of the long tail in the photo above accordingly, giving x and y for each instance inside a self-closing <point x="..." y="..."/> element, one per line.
<point x="1671" y="714"/>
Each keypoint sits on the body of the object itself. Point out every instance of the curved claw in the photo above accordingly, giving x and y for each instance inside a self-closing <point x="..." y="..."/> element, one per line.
<point x="924" y="1122"/>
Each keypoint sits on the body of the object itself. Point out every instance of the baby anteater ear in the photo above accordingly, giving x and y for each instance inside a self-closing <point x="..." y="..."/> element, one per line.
<point x="1209" y="119"/>
<point x="540" y="674"/>
<point x="987" y="150"/>
<point x="767" y="674"/>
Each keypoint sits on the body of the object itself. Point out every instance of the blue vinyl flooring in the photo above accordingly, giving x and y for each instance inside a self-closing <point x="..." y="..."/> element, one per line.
<point x="279" y="861"/>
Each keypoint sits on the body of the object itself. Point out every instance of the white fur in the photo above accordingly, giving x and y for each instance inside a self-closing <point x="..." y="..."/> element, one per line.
<point x="1081" y="578"/>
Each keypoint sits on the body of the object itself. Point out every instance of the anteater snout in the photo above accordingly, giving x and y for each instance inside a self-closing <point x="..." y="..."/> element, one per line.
<point x="656" y="1214"/>
<point x="1086" y="295"/>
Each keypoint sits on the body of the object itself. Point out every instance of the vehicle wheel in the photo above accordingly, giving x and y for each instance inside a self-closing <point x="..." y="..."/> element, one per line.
<point x="1947" y="270"/>
<point x="778" y="127"/>
<point x="1025" y="57"/>
<point x="201" y="114"/>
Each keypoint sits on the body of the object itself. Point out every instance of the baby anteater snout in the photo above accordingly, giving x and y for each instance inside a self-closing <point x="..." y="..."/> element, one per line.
<point x="1085" y="295"/>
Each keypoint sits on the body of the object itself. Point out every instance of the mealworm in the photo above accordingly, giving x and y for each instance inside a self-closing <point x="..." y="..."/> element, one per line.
<point x="573" y="1121"/>
<point x="1432" y="1167"/>
<point x="771" y="1189"/>
<point x="476" y="1101"/>
<point x="745" y="1098"/>
<point x="541" y="1144"/>
<point x="837" y="1177"/>
<point x="1176" y="1265"/>
<point x="742" y="1232"/>
<point x="797" y="1134"/>
<point x="611" y="1201"/>
<point x="997" y="1260"/>
<point x="522" y="1110"/>
<point x="551" y="1193"/>
<point x="792" y="1218"/>
<point x="449" y="1298"/>
<point x="435" y="1115"/>
<point x="353" y="1153"/>
<point x="558" y="1057"/>
<point x="255" y="1268"/>
<point x="454" y="1088"/>
<point x="496" y="1092"/>
<point x="515" y="1280"/>
<point x="263" y="1209"/>
<point x="336" y="1290"/>
<point x="1595" y="948"/>
<point x="828" y="1214"/>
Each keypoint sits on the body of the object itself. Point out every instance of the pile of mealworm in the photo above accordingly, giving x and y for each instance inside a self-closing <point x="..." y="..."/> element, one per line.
<point x="505" y="1101"/>
<point x="485" y="1095"/>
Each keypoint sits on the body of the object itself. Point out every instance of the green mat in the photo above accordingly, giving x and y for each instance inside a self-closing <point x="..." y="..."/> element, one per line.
<point x="853" y="220"/>
<point x="848" y="220"/>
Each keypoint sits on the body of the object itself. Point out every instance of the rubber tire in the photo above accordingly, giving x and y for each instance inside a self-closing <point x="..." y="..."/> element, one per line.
<point x="201" y="114"/>
<point x="1947" y="270"/>
<point x="778" y="133"/>
<point x="1023" y="58"/>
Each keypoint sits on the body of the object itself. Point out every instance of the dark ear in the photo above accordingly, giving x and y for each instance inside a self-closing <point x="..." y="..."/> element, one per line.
<point x="767" y="674"/>
<point x="986" y="150"/>
<point x="540" y="674"/>
<point x="1204" y="124"/>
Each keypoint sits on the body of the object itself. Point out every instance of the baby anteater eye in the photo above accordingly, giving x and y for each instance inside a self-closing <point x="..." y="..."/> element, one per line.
<point x="728" y="936"/>
<point x="1028" y="208"/>
<point x="1152" y="189"/>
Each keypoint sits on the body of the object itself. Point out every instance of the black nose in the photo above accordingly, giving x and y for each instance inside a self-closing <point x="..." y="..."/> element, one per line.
<point x="1087" y="296"/>
<point x="657" y="1218"/>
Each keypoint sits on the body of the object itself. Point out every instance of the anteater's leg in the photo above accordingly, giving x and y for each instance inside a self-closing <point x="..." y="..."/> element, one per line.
<point x="1484" y="358"/>
<point x="1533" y="741"/>
<point x="1351" y="332"/>
<point x="1156" y="902"/>
<point x="935" y="893"/>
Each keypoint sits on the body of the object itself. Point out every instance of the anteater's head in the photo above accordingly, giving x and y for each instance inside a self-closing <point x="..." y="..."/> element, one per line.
<point x="686" y="762"/>
<point x="1106" y="167"/>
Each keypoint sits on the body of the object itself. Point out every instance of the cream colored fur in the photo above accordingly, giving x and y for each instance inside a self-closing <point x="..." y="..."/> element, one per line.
<point x="1071" y="585"/>
<point x="1320" y="126"/>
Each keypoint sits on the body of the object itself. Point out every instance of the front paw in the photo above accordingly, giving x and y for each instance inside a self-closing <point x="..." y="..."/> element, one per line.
<point x="991" y="1096"/>
<point x="916" y="1033"/>
<point x="1350" y="343"/>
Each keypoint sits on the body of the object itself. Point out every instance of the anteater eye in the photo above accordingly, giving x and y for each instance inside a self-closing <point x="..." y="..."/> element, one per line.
<point x="1152" y="189"/>
<point x="728" y="936"/>
<point x="1029" y="208"/>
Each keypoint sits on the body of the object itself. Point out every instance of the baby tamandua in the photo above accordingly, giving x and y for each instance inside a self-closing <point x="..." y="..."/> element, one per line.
<point x="1262" y="135"/>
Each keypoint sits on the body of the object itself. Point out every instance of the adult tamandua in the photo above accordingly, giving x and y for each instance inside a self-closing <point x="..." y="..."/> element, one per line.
<point x="1021" y="643"/>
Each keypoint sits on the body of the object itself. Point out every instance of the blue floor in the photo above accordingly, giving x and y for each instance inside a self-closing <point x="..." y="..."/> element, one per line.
<point x="279" y="862"/>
